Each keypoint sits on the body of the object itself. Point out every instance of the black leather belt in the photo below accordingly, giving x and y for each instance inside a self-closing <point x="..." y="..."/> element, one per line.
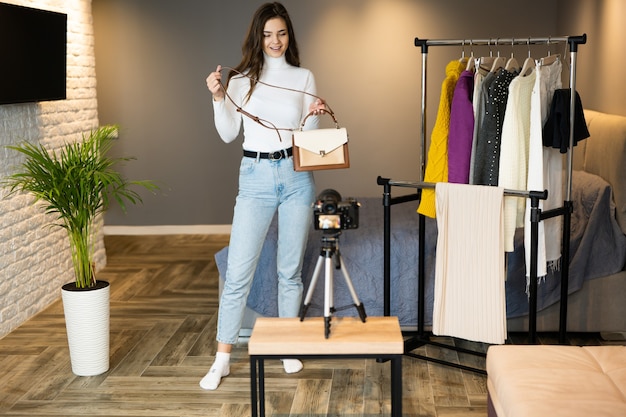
<point x="273" y="156"/>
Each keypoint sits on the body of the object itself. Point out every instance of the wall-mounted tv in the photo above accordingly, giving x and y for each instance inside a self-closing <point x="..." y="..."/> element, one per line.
<point x="33" y="50"/>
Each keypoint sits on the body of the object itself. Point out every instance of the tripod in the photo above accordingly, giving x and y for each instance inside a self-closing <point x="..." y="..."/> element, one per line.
<point x="330" y="247"/>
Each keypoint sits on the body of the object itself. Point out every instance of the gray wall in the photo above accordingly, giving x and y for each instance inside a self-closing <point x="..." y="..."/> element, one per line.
<point x="152" y="57"/>
<point x="601" y="61"/>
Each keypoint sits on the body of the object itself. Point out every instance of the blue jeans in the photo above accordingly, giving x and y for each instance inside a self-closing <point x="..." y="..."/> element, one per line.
<point x="266" y="186"/>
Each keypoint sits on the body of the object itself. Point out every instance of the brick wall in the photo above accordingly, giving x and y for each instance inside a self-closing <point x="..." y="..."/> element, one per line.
<point x="34" y="259"/>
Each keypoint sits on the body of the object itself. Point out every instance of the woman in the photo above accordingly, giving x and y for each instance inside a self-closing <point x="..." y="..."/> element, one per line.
<point x="267" y="180"/>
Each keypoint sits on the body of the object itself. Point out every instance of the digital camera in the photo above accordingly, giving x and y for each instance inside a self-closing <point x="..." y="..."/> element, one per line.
<point x="331" y="213"/>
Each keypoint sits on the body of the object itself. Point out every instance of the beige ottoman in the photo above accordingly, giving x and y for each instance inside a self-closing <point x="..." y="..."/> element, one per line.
<point x="572" y="381"/>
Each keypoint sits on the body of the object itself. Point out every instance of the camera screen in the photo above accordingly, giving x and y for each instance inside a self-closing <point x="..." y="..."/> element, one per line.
<point x="329" y="221"/>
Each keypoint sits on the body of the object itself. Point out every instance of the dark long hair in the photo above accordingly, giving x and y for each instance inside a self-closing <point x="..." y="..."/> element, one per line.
<point x="252" y="49"/>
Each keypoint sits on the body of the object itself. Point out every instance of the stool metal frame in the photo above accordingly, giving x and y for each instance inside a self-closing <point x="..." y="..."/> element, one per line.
<point x="257" y="377"/>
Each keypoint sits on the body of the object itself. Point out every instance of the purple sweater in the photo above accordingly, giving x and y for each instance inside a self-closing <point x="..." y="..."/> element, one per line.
<point x="461" y="130"/>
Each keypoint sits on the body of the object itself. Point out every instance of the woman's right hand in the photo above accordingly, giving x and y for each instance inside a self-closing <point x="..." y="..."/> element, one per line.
<point x="214" y="84"/>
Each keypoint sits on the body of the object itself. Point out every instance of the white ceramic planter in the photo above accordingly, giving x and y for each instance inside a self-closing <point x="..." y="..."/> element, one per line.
<point x="87" y="324"/>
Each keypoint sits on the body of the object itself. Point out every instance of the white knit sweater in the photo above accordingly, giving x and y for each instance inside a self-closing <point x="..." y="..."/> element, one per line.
<point x="285" y="109"/>
<point x="514" y="149"/>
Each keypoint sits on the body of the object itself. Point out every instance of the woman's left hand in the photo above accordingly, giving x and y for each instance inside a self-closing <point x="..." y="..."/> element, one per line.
<point x="318" y="107"/>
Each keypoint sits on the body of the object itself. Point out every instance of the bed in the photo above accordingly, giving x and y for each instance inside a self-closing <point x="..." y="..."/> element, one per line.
<point x="597" y="281"/>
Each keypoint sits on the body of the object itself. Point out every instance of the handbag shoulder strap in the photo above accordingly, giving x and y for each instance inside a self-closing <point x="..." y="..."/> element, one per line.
<point x="266" y="123"/>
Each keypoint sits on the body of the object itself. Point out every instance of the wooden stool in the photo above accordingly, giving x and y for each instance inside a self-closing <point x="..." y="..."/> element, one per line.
<point x="282" y="338"/>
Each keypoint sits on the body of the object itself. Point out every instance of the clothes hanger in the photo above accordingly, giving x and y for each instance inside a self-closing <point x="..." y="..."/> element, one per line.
<point x="463" y="58"/>
<point x="529" y="64"/>
<point x="499" y="62"/>
<point x="486" y="62"/>
<point x="471" y="62"/>
<point x="511" y="64"/>
<point x="549" y="59"/>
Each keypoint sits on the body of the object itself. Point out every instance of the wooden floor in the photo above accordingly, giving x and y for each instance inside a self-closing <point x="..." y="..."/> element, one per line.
<point x="164" y="297"/>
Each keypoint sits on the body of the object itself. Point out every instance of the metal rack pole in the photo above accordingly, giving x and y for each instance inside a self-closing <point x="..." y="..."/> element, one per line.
<point x="581" y="39"/>
<point x="568" y="204"/>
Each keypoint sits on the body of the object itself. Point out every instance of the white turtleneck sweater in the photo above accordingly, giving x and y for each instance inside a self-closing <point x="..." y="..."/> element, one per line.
<point x="285" y="109"/>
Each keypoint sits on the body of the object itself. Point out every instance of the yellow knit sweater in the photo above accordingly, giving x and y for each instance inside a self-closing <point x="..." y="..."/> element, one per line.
<point x="437" y="162"/>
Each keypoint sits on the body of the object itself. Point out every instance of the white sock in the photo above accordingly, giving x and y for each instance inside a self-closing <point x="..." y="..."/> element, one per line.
<point x="292" y="365"/>
<point x="219" y="369"/>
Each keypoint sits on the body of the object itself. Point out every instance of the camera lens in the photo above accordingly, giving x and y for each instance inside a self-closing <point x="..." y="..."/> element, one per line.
<point x="329" y="199"/>
<point x="329" y="208"/>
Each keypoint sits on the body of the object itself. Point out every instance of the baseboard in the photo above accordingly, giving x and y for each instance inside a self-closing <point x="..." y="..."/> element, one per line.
<point x="613" y="336"/>
<point x="203" y="229"/>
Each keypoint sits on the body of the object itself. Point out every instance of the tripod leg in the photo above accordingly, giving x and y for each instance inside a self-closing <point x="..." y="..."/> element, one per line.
<point x="358" y="304"/>
<point x="328" y="294"/>
<point x="309" y="293"/>
<point x="328" y="288"/>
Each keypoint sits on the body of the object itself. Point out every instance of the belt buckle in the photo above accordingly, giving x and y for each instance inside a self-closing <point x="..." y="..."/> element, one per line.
<point x="276" y="156"/>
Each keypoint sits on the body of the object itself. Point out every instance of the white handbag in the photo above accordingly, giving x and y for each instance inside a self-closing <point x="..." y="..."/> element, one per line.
<point x="320" y="149"/>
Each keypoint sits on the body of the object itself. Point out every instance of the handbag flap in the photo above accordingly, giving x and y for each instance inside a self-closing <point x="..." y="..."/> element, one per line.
<point x="320" y="141"/>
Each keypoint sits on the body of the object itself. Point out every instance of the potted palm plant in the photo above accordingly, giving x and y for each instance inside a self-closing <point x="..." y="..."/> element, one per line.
<point x="76" y="185"/>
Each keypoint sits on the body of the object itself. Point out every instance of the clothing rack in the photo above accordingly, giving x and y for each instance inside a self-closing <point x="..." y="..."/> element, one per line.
<point x="536" y="214"/>
<point x="421" y="337"/>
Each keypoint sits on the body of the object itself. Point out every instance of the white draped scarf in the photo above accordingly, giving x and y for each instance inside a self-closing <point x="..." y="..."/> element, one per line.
<point x="469" y="297"/>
